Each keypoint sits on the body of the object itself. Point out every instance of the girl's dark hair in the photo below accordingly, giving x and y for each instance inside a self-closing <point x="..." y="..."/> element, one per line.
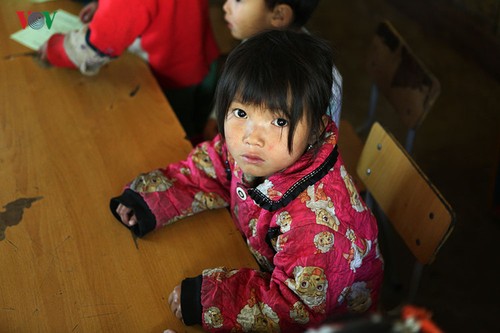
<point x="302" y="9"/>
<point x="287" y="72"/>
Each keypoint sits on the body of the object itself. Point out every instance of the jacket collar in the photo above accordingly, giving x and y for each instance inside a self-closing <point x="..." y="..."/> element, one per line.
<point x="281" y="188"/>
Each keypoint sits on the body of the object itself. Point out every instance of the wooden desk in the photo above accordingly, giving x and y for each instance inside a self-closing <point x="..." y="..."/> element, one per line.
<point x="68" y="143"/>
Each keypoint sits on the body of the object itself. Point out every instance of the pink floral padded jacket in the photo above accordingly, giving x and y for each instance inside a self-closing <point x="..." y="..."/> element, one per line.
<point x="307" y="227"/>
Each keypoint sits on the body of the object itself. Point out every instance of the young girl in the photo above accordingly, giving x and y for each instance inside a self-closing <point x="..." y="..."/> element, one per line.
<point x="276" y="165"/>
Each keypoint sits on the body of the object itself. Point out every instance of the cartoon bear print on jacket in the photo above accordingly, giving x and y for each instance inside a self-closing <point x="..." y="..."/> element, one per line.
<point x="258" y="317"/>
<point x="356" y="252"/>
<point x="280" y="243"/>
<point x="323" y="241"/>
<point x="357" y="296"/>
<point x="330" y="138"/>
<point x="219" y="273"/>
<point x="310" y="285"/>
<point x="213" y="318"/>
<point x="185" y="171"/>
<point x="154" y="181"/>
<point x="203" y="201"/>
<point x="284" y="220"/>
<point x="322" y="206"/>
<point x="267" y="188"/>
<point x="202" y="161"/>
<point x="252" y="225"/>
<point x="353" y="192"/>
<point x="299" y="313"/>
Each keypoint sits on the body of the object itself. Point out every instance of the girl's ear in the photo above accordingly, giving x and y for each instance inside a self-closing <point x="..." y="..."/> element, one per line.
<point x="324" y="122"/>
<point x="282" y="16"/>
<point x="324" y="119"/>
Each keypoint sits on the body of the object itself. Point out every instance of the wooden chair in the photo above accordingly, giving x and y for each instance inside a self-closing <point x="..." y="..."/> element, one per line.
<point x="400" y="76"/>
<point x="403" y="80"/>
<point x="412" y="204"/>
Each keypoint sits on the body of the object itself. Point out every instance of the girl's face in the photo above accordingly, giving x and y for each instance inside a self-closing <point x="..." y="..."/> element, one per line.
<point x="257" y="139"/>
<point x="246" y="18"/>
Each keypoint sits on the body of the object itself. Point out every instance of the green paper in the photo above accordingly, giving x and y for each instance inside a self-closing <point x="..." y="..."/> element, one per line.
<point x="63" y="22"/>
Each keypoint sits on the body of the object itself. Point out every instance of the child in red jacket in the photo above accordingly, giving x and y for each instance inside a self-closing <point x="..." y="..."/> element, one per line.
<point x="174" y="37"/>
<point x="276" y="165"/>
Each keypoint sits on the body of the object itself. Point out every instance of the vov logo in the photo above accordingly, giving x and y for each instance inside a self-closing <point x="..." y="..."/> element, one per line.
<point x="36" y="20"/>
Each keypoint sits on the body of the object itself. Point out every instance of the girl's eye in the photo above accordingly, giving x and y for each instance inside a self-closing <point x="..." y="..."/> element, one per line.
<point x="239" y="113"/>
<point x="280" y="122"/>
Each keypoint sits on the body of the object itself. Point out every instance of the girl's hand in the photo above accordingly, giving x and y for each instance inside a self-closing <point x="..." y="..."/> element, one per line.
<point x="40" y="56"/>
<point x="87" y="12"/>
<point x="126" y="215"/>
<point x="42" y="52"/>
<point x="174" y="300"/>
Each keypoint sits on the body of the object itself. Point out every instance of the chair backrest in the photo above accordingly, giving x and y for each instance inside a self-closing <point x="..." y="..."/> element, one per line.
<point x="409" y="87"/>
<point x="400" y="76"/>
<point x="414" y="207"/>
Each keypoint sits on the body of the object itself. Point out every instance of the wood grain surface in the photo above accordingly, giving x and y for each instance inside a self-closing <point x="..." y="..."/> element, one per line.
<point x="68" y="143"/>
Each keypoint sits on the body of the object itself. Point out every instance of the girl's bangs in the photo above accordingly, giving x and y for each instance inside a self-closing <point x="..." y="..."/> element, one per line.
<point x="266" y="94"/>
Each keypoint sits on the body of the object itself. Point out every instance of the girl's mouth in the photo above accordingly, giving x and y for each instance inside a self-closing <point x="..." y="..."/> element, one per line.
<point x="252" y="159"/>
<point x="229" y="25"/>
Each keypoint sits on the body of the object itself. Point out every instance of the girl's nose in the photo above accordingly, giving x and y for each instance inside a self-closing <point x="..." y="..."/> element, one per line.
<point x="254" y="135"/>
<point x="225" y="7"/>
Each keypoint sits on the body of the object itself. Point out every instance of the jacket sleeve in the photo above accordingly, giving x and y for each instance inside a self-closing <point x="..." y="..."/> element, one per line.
<point x="163" y="196"/>
<point x="306" y="286"/>
<point x="72" y="50"/>
<point x="116" y="24"/>
<point x="113" y="28"/>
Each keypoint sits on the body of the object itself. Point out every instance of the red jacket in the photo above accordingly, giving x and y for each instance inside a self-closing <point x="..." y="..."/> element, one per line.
<point x="307" y="227"/>
<point x="176" y="36"/>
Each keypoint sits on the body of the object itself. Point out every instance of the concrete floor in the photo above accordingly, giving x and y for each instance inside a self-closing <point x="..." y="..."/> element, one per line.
<point x="457" y="147"/>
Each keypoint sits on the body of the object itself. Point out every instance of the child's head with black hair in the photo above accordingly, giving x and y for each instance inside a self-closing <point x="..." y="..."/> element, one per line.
<point x="248" y="17"/>
<point x="272" y="99"/>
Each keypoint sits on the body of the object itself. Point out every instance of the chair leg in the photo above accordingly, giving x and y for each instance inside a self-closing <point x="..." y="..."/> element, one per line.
<point x="388" y="238"/>
<point x="415" y="281"/>
<point x="386" y="242"/>
<point x="410" y="138"/>
<point x="371" y="111"/>
<point x="369" y="200"/>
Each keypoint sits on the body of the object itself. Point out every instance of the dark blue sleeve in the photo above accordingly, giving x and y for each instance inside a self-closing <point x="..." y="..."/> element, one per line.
<point x="146" y="221"/>
<point x="191" y="300"/>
